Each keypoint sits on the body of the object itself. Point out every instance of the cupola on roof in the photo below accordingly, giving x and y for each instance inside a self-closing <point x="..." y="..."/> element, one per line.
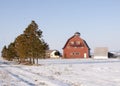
<point x="77" y="34"/>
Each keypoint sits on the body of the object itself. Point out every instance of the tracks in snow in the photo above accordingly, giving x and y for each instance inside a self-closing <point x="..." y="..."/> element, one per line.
<point x="29" y="78"/>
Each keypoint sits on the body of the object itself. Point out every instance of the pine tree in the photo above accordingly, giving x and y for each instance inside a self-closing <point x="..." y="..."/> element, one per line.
<point x="21" y="46"/>
<point x="4" y="52"/>
<point x="30" y="44"/>
<point x="9" y="53"/>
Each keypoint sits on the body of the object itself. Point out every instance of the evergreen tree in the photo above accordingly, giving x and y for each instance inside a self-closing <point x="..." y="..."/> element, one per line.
<point x="9" y="53"/>
<point x="30" y="44"/>
<point x="21" y="46"/>
<point x="4" y="52"/>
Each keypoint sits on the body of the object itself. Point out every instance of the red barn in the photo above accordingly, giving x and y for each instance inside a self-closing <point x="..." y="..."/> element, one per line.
<point x="76" y="47"/>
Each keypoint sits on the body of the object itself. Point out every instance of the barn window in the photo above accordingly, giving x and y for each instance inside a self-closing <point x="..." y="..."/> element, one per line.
<point x="77" y="53"/>
<point x="73" y="53"/>
<point x="78" y="42"/>
<point x="72" y="42"/>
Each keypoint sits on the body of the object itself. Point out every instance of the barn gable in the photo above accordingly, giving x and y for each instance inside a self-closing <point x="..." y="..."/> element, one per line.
<point x="76" y="47"/>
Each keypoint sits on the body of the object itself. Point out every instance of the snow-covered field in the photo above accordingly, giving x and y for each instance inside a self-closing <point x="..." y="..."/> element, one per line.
<point x="59" y="72"/>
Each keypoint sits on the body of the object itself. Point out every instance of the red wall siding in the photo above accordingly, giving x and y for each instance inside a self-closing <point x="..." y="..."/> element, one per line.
<point x="75" y="50"/>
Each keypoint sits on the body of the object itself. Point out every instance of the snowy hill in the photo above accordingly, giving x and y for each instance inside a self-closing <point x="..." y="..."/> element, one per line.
<point x="67" y="72"/>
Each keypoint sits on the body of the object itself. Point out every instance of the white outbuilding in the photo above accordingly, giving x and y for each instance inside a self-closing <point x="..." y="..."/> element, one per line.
<point x="54" y="54"/>
<point x="100" y="53"/>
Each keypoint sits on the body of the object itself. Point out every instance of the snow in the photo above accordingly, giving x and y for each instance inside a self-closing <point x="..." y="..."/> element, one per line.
<point x="61" y="72"/>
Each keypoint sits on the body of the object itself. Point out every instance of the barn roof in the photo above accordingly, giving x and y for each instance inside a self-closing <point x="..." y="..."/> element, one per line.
<point x="68" y="41"/>
<point x="86" y="44"/>
<point x="73" y="37"/>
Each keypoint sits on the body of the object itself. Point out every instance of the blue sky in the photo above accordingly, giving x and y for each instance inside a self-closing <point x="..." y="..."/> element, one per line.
<point x="98" y="21"/>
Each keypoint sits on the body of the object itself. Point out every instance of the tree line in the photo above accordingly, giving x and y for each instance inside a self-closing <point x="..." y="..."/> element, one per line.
<point x="29" y="46"/>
